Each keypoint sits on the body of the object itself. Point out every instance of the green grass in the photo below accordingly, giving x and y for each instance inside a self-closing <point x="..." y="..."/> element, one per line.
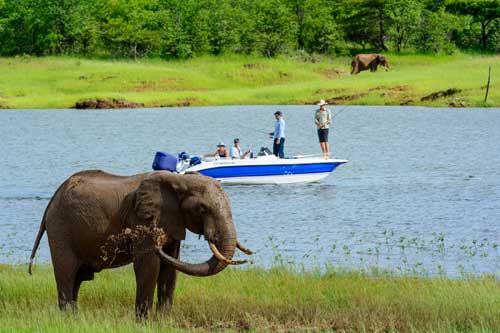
<point x="59" y="82"/>
<point x="256" y="300"/>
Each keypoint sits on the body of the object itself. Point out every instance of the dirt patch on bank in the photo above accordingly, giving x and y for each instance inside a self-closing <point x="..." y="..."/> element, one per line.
<point x="181" y="102"/>
<point x="395" y="91"/>
<point x="107" y="103"/>
<point x="324" y="92"/>
<point x="332" y="73"/>
<point x="440" y="94"/>
<point x="340" y="99"/>
<point x="145" y="86"/>
<point x="254" y="66"/>
<point x="168" y="84"/>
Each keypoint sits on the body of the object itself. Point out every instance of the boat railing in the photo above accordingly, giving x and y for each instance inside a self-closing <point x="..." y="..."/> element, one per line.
<point x="307" y="156"/>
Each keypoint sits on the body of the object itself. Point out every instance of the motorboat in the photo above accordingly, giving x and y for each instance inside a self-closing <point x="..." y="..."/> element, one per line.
<point x="265" y="168"/>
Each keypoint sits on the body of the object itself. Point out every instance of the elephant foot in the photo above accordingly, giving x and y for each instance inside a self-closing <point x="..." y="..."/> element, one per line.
<point x="68" y="306"/>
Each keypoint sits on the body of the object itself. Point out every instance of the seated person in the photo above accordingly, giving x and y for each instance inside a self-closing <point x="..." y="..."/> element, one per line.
<point x="220" y="152"/>
<point x="236" y="150"/>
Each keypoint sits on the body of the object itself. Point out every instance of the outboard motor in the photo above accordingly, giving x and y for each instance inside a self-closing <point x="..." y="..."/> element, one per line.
<point x="264" y="151"/>
<point x="165" y="161"/>
<point x="183" y="156"/>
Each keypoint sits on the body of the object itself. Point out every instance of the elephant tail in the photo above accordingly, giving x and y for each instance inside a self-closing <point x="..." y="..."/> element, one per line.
<point x="37" y="243"/>
<point x="42" y="230"/>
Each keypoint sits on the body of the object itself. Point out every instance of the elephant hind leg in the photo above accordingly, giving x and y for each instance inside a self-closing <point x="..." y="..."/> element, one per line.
<point x="66" y="267"/>
<point x="65" y="270"/>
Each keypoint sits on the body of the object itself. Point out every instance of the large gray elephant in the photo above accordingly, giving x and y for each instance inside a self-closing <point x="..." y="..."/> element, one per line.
<point x="97" y="220"/>
<point x="362" y="62"/>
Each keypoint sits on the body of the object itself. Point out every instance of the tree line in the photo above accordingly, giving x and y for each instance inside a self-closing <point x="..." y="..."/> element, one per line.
<point x="180" y="29"/>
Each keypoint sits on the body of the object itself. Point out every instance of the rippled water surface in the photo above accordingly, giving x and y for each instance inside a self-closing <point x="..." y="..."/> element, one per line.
<point x="420" y="194"/>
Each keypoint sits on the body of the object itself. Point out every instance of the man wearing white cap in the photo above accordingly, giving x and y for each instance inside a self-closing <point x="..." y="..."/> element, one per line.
<point x="323" y="119"/>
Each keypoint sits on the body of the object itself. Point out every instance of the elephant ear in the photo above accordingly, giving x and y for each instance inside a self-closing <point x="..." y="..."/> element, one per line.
<point x="158" y="200"/>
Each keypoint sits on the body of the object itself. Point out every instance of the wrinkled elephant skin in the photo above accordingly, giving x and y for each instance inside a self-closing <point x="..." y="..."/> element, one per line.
<point x="362" y="62"/>
<point x="97" y="220"/>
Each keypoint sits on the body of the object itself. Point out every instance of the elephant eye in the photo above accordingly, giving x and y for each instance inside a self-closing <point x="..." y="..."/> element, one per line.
<point x="203" y="209"/>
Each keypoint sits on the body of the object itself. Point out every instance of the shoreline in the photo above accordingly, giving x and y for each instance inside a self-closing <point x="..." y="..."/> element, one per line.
<point x="415" y="80"/>
<point x="408" y="107"/>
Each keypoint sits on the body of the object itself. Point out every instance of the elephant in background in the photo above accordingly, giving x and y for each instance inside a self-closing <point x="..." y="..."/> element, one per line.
<point x="362" y="62"/>
<point x="97" y="220"/>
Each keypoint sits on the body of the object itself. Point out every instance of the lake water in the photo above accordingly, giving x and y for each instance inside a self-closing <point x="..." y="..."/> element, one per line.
<point x="420" y="194"/>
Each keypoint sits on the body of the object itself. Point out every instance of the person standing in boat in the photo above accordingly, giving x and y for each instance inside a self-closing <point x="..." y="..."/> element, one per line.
<point x="278" y="135"/>
<point x="323" y="118"/>
<point x="236" y="151"/>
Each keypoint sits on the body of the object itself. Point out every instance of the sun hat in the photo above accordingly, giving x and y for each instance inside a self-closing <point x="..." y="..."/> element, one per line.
<point x="322" y="102"/>
<point x="221" y="144"/>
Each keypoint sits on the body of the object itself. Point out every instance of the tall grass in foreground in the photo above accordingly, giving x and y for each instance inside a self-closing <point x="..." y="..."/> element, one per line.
<point x="255" y="299"/>
<point x="59" y="82"/>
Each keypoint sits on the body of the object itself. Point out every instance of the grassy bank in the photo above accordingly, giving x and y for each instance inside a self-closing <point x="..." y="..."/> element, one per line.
<point x="59" y="82"/>
<point x="257" y="300"/>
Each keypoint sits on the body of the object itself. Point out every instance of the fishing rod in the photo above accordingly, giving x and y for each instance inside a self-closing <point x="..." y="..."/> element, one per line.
<point x="253" y="129"/>
<point x="267" y="133"/>
<point x="343" y="109"/>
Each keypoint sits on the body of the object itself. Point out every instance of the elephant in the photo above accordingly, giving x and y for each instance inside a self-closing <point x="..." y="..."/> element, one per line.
<point x="363" y="62"/>
<point x="97" y="220"/>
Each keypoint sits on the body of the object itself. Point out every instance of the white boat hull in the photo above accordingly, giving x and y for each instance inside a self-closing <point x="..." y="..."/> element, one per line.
<point x="275" y="179"/>
<point x="267" y="170"/>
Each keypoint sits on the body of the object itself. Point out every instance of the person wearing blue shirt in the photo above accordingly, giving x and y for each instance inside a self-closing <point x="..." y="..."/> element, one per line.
<point x="278" y="135"/>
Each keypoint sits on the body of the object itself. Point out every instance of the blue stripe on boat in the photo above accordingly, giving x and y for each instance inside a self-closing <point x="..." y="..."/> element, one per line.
<point x="269" y="170"/>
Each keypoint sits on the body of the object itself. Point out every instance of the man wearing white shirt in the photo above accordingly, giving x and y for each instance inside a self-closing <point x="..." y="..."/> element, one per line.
<point x="236" y="151"/>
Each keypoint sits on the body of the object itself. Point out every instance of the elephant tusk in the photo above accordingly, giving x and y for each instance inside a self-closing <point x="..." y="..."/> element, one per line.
<point x="243" y="249"/>
<point x="220" y="257"/>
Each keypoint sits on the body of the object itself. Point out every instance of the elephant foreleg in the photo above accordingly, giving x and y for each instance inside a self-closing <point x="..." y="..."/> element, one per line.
<point x="355" y="68"/>
<point x="146" y="268"/>
<point x="167" y="279"/>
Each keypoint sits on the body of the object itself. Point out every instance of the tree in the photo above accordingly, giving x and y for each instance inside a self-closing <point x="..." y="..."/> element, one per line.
<point x="131" y="27"/>
<point x="365" y="21"/>
<point x="484" y="12"/>
<point x="405" y="17"/>
<point x="316" y="29"/>
<point x="223" y="27"/>
<point x="439" y="37"/>
<point x="187" y="29"/>
<point x="275" y="31"/>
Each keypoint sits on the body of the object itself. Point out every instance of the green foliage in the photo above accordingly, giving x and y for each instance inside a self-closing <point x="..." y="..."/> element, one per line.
<point x="485" y="13"/>
<point x="405" y="16"/>
<point x="318" y="32"/>
<point x="181" y="29"/>
<point x="274" y="28"/>
<point x="360" y="20"/>
<point x="438" y="38"/>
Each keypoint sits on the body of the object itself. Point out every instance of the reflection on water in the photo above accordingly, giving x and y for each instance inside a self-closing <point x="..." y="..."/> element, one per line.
<point x="420" y="194"/>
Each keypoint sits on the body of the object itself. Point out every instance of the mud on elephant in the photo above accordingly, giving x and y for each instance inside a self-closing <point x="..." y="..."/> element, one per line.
<point x="362" y="62"/>
<point x="97" y="220"/>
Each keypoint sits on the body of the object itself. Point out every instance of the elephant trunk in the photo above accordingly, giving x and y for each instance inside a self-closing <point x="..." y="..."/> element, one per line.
<point x="223" y="250"/>
<point x="212" y="266"/>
